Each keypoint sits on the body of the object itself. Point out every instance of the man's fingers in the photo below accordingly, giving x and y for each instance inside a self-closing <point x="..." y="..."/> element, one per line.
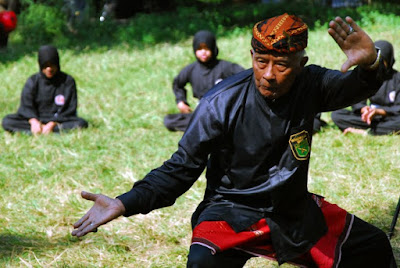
<point x="333" y="31"/>
<point x="349" y="26"/>
<point x="85" y="227"/>
<point x="89" y="196"/>
<point x="353" y="24"/>
<point x="81" y="220"/>
<point x="341" y="27"/>
<point x="346" y="65"/>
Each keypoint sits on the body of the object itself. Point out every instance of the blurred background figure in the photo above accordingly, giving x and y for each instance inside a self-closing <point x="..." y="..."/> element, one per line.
<point x="346" y="3"/>
<point x="270" y="1"/>
<point x="75" y="10"/>
<point x="49" y="99"/>
<point x="8" y="19"/>
<point x="120" y="9"/>
<point x="202" y="75"/>
<point x="380" y="114"/>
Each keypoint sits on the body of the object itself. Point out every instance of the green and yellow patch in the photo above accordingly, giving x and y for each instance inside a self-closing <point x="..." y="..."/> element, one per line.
<point x="300" y="145"/>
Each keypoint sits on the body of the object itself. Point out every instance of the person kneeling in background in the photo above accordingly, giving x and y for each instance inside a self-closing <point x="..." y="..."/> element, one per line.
<point x="202" y="74"/>
<point x="382" y="115"/>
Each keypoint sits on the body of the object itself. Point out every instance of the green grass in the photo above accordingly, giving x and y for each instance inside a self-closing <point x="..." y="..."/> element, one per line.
<point x="124" y="92"/>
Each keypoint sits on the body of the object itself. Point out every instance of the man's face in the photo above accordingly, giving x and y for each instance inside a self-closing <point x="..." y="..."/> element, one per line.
<point x="275" y="73"/>
<point x="49" y="70"/>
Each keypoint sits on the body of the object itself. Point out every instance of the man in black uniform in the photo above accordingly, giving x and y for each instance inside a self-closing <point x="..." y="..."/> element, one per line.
<point x="48" y="101"/>
<point x="202" y="75"/>
<point x="253" y="132"/>
<point x="382" y="115"/>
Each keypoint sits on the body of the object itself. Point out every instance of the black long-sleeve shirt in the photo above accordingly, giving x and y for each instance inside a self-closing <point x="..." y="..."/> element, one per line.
<point x="202" y="77"/>
<point x="49" y="99"/>
<point x="387" y="97"/>
<point x="257" y="156"/>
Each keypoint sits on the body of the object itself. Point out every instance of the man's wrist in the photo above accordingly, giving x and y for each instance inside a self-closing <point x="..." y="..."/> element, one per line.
<point x="121" y="206"/>
<point x="374" y="65"/>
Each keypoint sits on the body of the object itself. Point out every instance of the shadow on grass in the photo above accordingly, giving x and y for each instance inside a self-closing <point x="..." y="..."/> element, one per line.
<point x="12" y="246"/>
<point x="144" y="30"/>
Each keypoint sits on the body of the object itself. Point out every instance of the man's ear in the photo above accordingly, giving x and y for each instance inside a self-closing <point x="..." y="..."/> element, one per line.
<point x="251" y="52"/>
<point x="303" y="61"/>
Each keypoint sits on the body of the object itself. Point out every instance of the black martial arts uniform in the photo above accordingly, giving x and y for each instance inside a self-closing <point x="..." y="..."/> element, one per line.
<point x="201" y="76"/>
<point x="387" y="98"/>
<point x="257" y="156"/>
<point x="47" y="99"/>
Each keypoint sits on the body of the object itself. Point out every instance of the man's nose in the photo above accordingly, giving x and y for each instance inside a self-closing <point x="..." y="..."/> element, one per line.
<point x="269" y="73"/>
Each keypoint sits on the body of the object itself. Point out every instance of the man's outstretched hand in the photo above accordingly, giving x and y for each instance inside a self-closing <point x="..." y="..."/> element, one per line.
<point x="104" y="209"/>
<point x="353" y="41"/>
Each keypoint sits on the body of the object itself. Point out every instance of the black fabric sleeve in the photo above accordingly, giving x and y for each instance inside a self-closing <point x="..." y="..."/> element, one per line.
<point x="27" y="108"/>
<point x="394" y="109"/>
<point x="234" y="69"/>
<point x="340" y="90"/>
<point x="180" y="82"/>
<point x="358" y="106"/>
<point x="162" y="186"/>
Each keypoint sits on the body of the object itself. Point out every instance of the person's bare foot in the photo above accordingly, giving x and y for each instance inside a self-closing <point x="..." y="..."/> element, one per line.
<point x="355" y="131"/>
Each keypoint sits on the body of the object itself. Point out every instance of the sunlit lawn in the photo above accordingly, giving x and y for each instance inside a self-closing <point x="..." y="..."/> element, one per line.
<point x="124" y="94"/>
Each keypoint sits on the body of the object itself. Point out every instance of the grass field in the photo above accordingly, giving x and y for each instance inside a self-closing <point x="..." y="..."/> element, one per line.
<point x="124" y="93"/>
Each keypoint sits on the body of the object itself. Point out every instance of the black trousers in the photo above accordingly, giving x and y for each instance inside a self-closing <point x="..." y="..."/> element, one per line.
<point x="16" y="123"/>
<point x="318" y="123"/>
<point x="177" y="122"/>
<point x="366" y="247"/>
<point x="379" y="126"/>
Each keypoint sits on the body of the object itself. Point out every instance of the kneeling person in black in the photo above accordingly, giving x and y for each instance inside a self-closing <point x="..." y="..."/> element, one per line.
<point x="202" y="75"/>
<point x="48" y="101"/>
<point x="381" y="116"/>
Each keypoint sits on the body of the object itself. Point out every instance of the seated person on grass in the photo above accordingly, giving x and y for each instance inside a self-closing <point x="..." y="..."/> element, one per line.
<point x="382" y="115"/>
<point x="48" y="101"/>
<point x="202" y="74"/>
<point x="253" y="132"/>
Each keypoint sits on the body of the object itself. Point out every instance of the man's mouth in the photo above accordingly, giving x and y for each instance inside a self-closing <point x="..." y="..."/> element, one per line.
<point x="272" y="89"/>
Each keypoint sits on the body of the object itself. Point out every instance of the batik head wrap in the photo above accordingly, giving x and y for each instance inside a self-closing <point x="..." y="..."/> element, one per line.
<point x="284" y="34"/>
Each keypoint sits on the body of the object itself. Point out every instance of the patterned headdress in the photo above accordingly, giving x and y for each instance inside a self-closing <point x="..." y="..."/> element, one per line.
<point x="284" y="34"/>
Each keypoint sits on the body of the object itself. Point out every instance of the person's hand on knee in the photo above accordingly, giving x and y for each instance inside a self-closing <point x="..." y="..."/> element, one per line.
<point x="48" y="128"/>
<point x="36" y="126"/>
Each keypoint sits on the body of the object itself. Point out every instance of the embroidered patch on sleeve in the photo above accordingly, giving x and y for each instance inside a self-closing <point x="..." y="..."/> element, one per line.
<point x="300" y="145"/>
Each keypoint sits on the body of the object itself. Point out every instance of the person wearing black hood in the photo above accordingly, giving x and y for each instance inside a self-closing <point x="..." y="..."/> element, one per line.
<point x="48" y="100"/>
<point x="202" y="74"/>
<point x="382" y="115"/>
